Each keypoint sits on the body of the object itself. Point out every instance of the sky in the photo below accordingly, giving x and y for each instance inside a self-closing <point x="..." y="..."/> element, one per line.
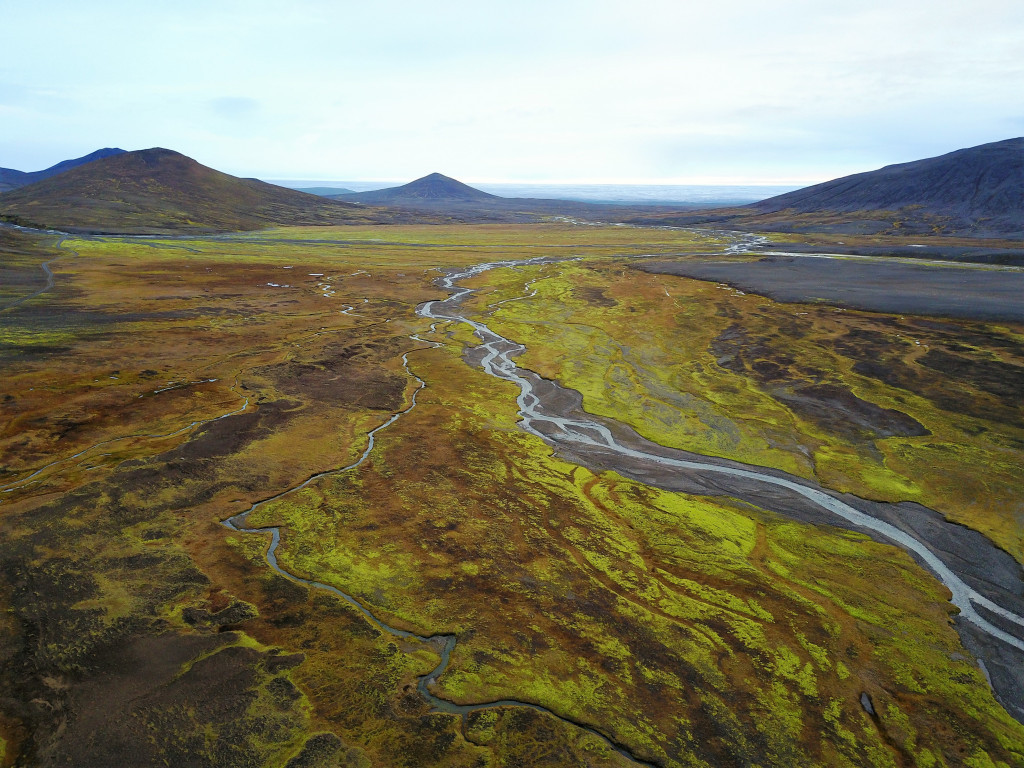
<point x="646" y="91"/>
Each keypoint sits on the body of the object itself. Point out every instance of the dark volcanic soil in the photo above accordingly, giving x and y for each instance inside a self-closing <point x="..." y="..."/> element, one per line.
<point x="873" y="285"/>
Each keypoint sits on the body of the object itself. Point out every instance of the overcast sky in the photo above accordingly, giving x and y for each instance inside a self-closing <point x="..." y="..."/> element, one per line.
<point x="648" y="91"/>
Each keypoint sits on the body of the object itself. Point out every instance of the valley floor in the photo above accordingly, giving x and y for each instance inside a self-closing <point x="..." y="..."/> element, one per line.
<point x="462" y="591"/>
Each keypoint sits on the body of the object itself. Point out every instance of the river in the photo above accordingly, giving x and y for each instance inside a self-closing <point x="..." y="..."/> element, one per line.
<point x="555" y="414"/>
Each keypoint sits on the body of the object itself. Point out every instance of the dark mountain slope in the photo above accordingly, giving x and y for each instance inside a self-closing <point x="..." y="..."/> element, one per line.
<point x="977" y="191"/>
<point x="435" y="188"/>
<point x="978" y="184"/>
<point x="160" y="191"/>
<point x="12" y="179"/>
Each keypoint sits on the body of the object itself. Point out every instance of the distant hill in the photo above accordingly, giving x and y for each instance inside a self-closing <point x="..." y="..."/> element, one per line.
<point x="443" y="196"/>
<point x="160" y="191"/>
<point x="977" y="191"/>
<point x="12" y="179"/>
<point x="435" y="188"/>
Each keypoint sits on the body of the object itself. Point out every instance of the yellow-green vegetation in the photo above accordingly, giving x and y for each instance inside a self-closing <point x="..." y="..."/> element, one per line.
<point x="890" y="408"/>
<point x="691" y="631"/>
<point x="687" y="629"/>
<point x="549" y="239"/>
<point x="99" y="588"/>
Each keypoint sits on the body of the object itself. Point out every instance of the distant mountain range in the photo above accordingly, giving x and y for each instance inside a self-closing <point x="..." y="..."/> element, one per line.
<point x="975" y="192"/>
<point x="161" y="191"/>
<point x="444" y="196"/>
<point x="12" y="179"/>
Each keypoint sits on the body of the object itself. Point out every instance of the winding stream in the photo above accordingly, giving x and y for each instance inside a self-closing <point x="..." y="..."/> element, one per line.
<point x="581" y="434"/>
<point x="558" y="430"/>
<point x="585" y="436"/>
<point x="442" y="644"/>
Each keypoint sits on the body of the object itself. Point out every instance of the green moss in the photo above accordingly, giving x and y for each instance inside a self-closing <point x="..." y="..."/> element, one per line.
<point x="694" y="631"/>
<point x="648" y="351"/>
<point x="686" y="570"/>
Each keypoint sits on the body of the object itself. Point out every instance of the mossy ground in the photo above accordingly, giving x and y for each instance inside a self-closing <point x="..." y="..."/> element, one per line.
<point x="692" y="631"/>
<point x="686" y="628"/>
<point x="809" y="389"/>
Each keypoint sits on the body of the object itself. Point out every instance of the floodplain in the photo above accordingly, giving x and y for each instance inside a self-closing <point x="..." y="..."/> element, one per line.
<point x="162" y="386"/>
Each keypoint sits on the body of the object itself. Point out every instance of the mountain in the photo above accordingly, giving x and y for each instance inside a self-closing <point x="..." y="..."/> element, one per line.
<point x="159" y="191"/>
<point x="432" y="189"/>
<point x="982" y="185"/>
<point x="12" y="179"/>
<point x="977" y="191"/>
<point x="442" y="196"/>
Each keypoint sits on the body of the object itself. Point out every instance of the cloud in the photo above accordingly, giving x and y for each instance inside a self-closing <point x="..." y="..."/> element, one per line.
<point x="578" y="88"/>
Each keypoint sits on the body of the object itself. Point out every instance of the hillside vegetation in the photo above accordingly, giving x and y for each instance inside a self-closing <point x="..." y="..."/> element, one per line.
<point x="156" y="191"/>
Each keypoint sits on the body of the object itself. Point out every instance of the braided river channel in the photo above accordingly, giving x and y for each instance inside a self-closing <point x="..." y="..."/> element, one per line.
<point x="985" y="583"/>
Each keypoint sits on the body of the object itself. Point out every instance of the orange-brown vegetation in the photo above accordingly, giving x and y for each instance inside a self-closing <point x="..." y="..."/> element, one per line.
<point x="163" y="386"/>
